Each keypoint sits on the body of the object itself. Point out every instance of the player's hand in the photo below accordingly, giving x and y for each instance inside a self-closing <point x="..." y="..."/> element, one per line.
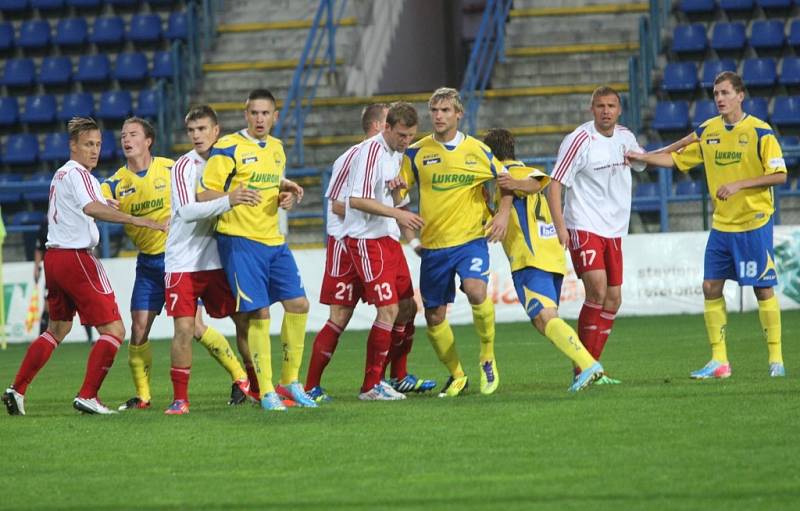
<point x="286" y="200"/>
<point x="632" y="156"/>
<point x="408" y="219"/>
<point x="150" y="224"/>
<point x="113" y="203"/>
<point x="290" y="186"/>
<point x="396" y="183"/>
<point x="506" y="182"/>
<point x="563" y="236"/>
<point x="242" y="195"/>
<point x="37" y="272"/>
<point x="725" y="191"/>
<point x="496" y="227"/>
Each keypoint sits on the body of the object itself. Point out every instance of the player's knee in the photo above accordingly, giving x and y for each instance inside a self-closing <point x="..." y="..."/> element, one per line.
<point x="545" y="315"/>
<point x="340" y="316"/>
<point x="59" y="329"/>
<point x="199" y="329"/>
<point x="296" y="305"/>
<point x="763" y="293"/>
<point x="435" y="315"/>
<point x="407" y="310"/>
<point x="712" y="289"/>
<point x="475" y="291"/>
<point x="388" y="313"/>
<point x="116" y="329"/>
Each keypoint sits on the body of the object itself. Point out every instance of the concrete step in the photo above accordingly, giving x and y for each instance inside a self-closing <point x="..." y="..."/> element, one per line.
<point x="544" y="34"/>
<point x="244" y="11"/>
<point x="540" y="4"/>
<point x="234" y="86"/>
<point x="282" y="44"/>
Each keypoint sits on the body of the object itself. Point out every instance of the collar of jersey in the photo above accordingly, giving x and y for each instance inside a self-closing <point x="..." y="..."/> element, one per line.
<point x="141" y="173"/>
<point x="80" y="167"/>
<point x="730" y="127"/>
<point x="460" y="137"/>
<point x="261" y="143"/>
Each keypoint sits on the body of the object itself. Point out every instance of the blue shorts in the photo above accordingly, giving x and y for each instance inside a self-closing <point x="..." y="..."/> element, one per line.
<point x="746" y="257"/>
<point x="148" y="288"/>
<point x="537" y="289"/>
<point x="439" y="267"/>
<point x="259" y="274"/>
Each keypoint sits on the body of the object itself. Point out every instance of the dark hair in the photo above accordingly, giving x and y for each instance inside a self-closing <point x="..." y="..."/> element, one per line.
<point x="729" y="76"/>
<point x="400" y="111"/>
<point x="149" y="131"/>
<point x="261" y="94"/>
<point x="78" y="125"/>
<point x="603" y="91"/>
<point x="501" y="142"/>
<point x="372" y="114"/>
<point x="201" y="112"/>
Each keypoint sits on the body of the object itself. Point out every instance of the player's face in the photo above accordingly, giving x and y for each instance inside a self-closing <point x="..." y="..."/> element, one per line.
<point x="134" y="142"/>
<point x="86" y="150"/>
<point x="203" y="133"/>
<point x="260" y="115"/>
<point x="400" y="136"/>
<point x="727" y="99"/>
<point x="444" y="118"/>
<point x="606" y="111"/>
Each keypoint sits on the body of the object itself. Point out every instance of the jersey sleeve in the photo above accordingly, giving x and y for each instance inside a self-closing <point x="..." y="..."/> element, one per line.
<point x="408" y="173"/>
<point x="688" y="157"/>
<point x="340" y="174"/>
<point x="85" y="188"/>
<point x="184" y="174"/>
<point x="572" y="157"/>
<point x="219" y="170"/>
<point x="107" y="188"/>
<point x="365" y="172"/>
<point x="770" y="152"/>
<point x="635" y="147"/>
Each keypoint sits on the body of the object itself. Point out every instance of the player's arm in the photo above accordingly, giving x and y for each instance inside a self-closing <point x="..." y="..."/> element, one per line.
<point x="290" y="191"/>
<point x="221" y="165"/>
<point x="554" y="192"/>
<point x="338" y="207"/>
<point x="105" y="213"/>
<point x="188" y="208"/>
<point x="404" y="217"/>
<point x="652" y="159"/>
<point x="678" y="145"/>
<point x="498" y="225"/>
<point x="526" y="185"/>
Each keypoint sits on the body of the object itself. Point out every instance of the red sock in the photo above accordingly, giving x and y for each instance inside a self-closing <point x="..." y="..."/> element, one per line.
<point x="396" y="348"/>
<point x="35" y="358"/>
<point x="251" y="375"/>
<point x="400" y="361"/>
<point x="603" y="331"/>
<point x="324" y="345"/>
<point x="180" y="382"/>
<point x="378" y="344"/>
<point x="101" y="358"/>
<point x="588" y="329"/>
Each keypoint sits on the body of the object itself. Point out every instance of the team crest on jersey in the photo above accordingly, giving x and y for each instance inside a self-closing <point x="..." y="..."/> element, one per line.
<point x="431" y="160"/>
<point x="470" y="160"/>
<point x="743" y="139"/>
<point x="711" y="141"/>
<point x="160" y="184"/>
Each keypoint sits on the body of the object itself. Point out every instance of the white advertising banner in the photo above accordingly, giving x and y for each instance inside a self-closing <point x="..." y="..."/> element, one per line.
<point x="663" y="274"/>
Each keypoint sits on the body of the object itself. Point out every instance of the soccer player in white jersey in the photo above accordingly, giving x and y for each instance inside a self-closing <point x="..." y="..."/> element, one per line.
<point x="192" y="264"/>
<point x="75" y="279"/>
<point x="596" y="211"/>
<point x="371" y="233"/>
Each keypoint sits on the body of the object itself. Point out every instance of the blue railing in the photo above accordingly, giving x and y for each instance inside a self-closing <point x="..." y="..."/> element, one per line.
<point x="489" y="46"/>
<point x="307" y="75"/>
<point x="640" y="67"/>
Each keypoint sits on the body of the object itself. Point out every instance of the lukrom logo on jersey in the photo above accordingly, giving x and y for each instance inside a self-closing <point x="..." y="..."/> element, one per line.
<point x="263" y="181"/>
<point x="444" y="182"/>
<point x="723" y="158"/>
<point x="145" y="207"/>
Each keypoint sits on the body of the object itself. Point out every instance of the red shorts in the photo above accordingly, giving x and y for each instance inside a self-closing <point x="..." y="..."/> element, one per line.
<point x="592" y="252"/>
<point x="340" y="284"/>
<point x="76" y="281"/>
<point x="182" y="289"/>
<point x="382" y="268"/>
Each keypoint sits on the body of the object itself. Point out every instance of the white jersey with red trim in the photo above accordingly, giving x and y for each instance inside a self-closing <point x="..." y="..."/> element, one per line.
<point x="72" y="188"/>
<point x="336" y="188"/>
<point x="598" y="181"/>
<point x="375" y="164"/>
<point x="191" y="245"/>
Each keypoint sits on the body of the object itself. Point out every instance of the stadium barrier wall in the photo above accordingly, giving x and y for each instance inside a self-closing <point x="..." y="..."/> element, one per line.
<point x="662" y="275"/>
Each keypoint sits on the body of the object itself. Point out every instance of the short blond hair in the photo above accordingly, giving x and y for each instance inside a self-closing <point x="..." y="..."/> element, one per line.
<point x="444" y="93"/>
<point x="604" y="91"/>
<point x="78" y="125"/>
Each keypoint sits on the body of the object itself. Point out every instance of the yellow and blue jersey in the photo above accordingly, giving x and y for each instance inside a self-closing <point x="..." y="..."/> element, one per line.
<point x="143" y="193"/>
<point x="745" y="150"/>
<point x="450" y="180"/>
<point x="241" y="160"/>
<point x="531" y="240"/>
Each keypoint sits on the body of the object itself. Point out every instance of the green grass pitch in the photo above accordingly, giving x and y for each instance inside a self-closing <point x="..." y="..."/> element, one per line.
<point x="658" y="441"/>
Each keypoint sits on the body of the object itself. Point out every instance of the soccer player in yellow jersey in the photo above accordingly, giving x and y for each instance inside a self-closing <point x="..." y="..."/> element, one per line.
<point x="142" y="189"/>
<point x="257" y="262"/>
<point x="536" y="256"/>
<point x="450" y="169"/>
<point x="742" y="160"/>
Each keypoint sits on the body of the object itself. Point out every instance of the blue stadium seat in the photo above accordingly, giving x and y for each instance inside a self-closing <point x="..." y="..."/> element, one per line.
<point x="177" y="26"/>
<point x="671" y="115"/>
<point x="790" y="71"/>
<point x="688" y="187"/>
<point x="122" y="3"/>
<point x="162" y="65"/>
<point x="6" y="196"/>
<point x="55" y="71"/>
<point x="108" y="147"/>
<point x="793" y="39"/>
<point x="697" y="6"/>
<point x="19" y="72"/>
<point x="161" y="3"/>
<point x="38" y="191"/>
<point x="55" y="147"/>
<point x="774" y="4"/>
<point x="9" y="110"/>
<point x="107" y="31"/>
<point x="13" y="6"/>
<point x="728" y="36"/>
<point x="790" y="142"/>
<point x="93" y="68"/>
<point x="6" y="35"/>
<point x="84" y="4"/>
<point x="21" y="149"/>
<point x="645" y="197"/>
<point x="711" y="68"/>
<point x="786" y="111"/>
<point x="767" y="35"/>
<point x="704" y="109"/>
<point x="736" y="5"/>
<point x="47" y="5"/>
<point x="679" y="77"/>
<point x="34" y="34"/>
<point x="77" y="104"/>
<point x="27" y="218"/>
<point x="71" y="32"/>
<point x="115" y="105"/>
<point x="39" y="109"/>
<point x="145" y="28"/>
<point x="757" y="107"/>
<point x="130" y="67"/>
<point x="688" y="38"/>
<point x="148" y="103"/>
<point x="759" y="72"/>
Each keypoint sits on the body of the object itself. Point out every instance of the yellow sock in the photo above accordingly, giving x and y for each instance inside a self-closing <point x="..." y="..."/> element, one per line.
<point x="293" y="336"/>
<point x="769" y="312"/>
<point x="444" y="344"/>
<point x="218" y="347"/>
<point x="258" y="341"/>
<point x="140" y="359"/>
<point x="716" y="317"/>
<point x="566" y="340"/>
<point x="483" y="318"/>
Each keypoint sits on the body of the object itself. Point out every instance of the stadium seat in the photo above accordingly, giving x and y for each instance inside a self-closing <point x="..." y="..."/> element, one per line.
<point x="794" y="34"/>
<point x="790" y="71"/>
<point x="145" y="28"/>
<point x="791" y="142"/>
<point x="19" y="72"/>
<point x="6" y="36"/>
<point x="38" y="190"/>
<point x="161" y="3"/>
<point x="55" y="147"/>
<point x="767" y="35"/>
<point x="786" y="111"/>
<point x="34" y="34"/>
<point x="55" y="71"/>
<point x="27" y="218"/>
<point x="47" y="5"/>
<point x="107" y="31"/>
<point x="148" y="103"/>
<point x="759" y="72"/>
<point x="71" y="32"/>
<point x="711" y="68"/>
<point x="774" y="4"/>
<point x="84" y="4"/>
<point x="177" y="26"/>
<point x="39" y="109"/>
<point x="93" y="68"/>
<point x="130" y="67"/>
<point x="671" y="116"/>
<point x="736" y="5"/>
<point x="757" y="107"/>
<point x="115" y="105"/>
<point x="7" y="196"/>
<point x="704" y="109"/>
<point x="122" y="3"/>
<point x="21" y="149"/>
<point x="13" y="6"/>
<point x="688" y="187"/>
<point x="728" y="36"/>
<point x="687" y="38"/>
<point x="9" y="110"/>
<point x="162" y="65"/>
<point x="696" y="6"/>
<point x="645" y="197"/>
<point x="77" y="104"/>
<point x="108" y="147"/>
<point x="679" y="77"/>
